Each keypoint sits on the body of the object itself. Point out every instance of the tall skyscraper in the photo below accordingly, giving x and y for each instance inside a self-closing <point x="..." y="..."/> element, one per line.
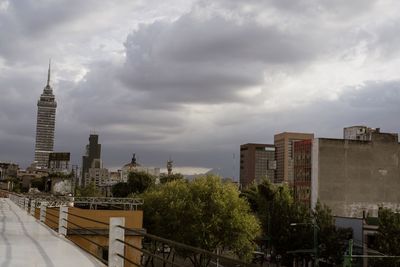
<point x="257" y="161"/>
<point x="92" y="157"/>
<point x="284" y="155"/>
<point x="45" y="125"/>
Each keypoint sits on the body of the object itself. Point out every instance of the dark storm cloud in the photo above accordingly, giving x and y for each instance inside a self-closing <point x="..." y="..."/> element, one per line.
<point x="325" y="118"/>
<point x="385" y="40"/>
<point x="208" y="60"/>
<point x="375" y="95"/>
<point x="195" y="86"/>
<point x="374" y="104"/>
<point x="18" y="101"/>
<point x="20" y="88"/>
<point x="29" y="24"/>
<point x="39" y="16"/>
<point x="343" y="8"/>
<point x="100" y="100"/>
<point x="216" y="39"/>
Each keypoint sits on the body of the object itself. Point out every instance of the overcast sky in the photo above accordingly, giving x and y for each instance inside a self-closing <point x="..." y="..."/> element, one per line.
<point x="192" y="80"/>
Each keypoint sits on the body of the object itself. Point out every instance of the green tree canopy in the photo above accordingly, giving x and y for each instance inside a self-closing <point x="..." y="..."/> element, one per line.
<point x="88" y="191"/>
<point x="276" y="210"/>
<point x="120" y="190"/>
<point x="332" y="240"/>
<point x="172" y="177"/>
<point x="288" y="226"/>
<point x="138" y="182"/>
<point x="388" y="236"/>
<point x="39" y="183"/>
<point x="203" y="213"/>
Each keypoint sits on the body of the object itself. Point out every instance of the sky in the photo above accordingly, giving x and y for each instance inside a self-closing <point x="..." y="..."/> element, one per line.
<point x="191" y="80"/>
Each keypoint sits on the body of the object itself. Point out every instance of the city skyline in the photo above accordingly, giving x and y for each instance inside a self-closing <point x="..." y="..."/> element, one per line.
<point x="188" y="79"/>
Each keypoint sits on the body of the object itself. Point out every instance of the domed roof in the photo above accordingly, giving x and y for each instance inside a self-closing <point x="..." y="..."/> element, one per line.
<point x="133" y="162"/>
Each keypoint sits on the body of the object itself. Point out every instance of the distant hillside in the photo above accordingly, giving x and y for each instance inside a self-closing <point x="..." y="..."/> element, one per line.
<point x="216" y="171"/>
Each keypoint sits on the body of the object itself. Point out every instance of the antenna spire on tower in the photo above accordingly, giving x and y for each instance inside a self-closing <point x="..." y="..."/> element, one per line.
<point x="48" y="73"/>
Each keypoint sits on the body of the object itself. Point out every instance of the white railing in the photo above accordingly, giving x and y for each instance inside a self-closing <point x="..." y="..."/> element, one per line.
<point x="116" y="249"/>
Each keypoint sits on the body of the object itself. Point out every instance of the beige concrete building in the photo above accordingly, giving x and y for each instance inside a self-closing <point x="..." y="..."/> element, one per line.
<point x="97" y="176"/>
<point x="354" y="176"/>
<point x="116" y="176"/>
<point x="284" y="154"/>
<point x="362" y="133"/>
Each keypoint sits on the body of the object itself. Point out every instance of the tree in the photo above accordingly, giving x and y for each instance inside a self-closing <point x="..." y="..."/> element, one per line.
<point x="17" y="185"/>
<point x="204" y="213"/>
<point x="138" y="182"/>
<point x="288" y="226"/>
<point x="332" y="241"/>
<point x="88" y="191"/>
<point x="39" y="183"/>
<point x="388" y="236"/>
<point x="172" y="177"/>
<point x="387" y="240"/>
<point x="120" y="190"/>
<point x="276" y="209"/>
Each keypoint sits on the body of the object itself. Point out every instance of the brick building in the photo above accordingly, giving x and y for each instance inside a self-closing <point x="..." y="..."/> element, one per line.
<point x="284" y="155"/>
<point x="302" y="172"/>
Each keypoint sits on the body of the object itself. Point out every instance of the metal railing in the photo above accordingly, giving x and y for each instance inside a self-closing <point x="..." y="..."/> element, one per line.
<point x="158" y="251"/>
<point x="55" y="215"/>
<point x="149" y="250"/>
<point x="123" y="203"/>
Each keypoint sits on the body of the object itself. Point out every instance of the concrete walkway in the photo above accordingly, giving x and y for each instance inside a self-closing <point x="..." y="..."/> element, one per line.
<point x="26" y="242"/>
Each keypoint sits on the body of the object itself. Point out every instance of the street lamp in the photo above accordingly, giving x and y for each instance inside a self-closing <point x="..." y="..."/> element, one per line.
<point x="315" y="243"/>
